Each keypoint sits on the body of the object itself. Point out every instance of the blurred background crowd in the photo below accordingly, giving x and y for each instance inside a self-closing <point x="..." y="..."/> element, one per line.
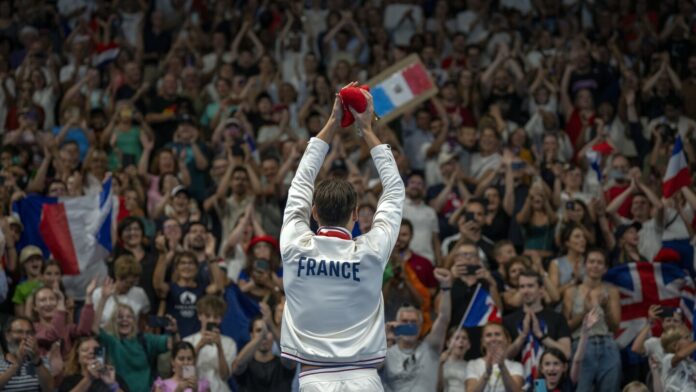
<point x="536" y="169"/>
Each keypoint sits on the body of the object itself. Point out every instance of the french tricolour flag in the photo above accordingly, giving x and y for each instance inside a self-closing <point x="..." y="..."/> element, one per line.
<point x="400" y="88"/>
<point x="76" y="231"/>
<point x="481" y="310"/>
<point x="105" y="54"/>
<point x="677" y="174"/>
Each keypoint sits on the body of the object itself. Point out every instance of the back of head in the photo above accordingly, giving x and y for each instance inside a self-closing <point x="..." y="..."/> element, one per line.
<point x="335" y="200"/>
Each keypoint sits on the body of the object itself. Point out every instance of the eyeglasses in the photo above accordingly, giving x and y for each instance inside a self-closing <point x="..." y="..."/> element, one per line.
<point x="466" y="256"/>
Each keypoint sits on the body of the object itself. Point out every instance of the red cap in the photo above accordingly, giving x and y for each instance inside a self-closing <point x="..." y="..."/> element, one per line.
<point x="667" y="255"/>
<point x="354" y="98"/>
<point x="264" y="238"/>
<point x="603" y="148"/>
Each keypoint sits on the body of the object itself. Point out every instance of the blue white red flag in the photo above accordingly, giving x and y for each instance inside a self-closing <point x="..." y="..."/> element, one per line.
<point x="401" y="87"/>
<point x="677" y="174"/>
<point x="481" y="310"/>
<point x="531" y="353"/>
<point x="76" y="231"/>
<point x="644" y="284"/>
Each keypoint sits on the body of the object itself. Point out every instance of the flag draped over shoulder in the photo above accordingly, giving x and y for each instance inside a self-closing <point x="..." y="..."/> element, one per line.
<point x="643" y="284"/>
<point x="76" y="231"/>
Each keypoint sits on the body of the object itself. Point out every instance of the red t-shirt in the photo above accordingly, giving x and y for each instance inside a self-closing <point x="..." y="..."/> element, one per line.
<point x="423" y="269"/>
<point x="625" y="208"/>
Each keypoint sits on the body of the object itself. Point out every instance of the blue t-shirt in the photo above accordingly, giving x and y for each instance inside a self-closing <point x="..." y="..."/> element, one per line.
<point x="181" y="304"/>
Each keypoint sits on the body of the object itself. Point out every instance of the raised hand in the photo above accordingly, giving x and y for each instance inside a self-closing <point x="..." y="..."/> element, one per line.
<point x="364" y="120"/>
<point x="444" y="276"/>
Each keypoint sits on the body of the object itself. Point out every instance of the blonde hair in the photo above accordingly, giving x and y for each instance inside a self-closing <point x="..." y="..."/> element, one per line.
<point x="126" y="266"/>
<point x="670" y="337"/>
<point x="112" y="325"/>
<point x="635" y="386"/>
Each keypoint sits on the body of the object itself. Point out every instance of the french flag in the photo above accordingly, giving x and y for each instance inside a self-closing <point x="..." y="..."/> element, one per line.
<point x="400" y="89"/>
<point x="481" y="310"/>
<point x="76" y="231"/>
<point x="105" y="54"/>
<point x="677" y="174"/>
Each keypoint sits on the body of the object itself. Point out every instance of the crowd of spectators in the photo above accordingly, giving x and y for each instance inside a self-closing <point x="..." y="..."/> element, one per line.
<point x="535" y="169"/>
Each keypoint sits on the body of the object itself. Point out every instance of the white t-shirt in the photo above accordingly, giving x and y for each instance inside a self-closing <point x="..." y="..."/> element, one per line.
<point x="135" y="298"/>
<point x="480" y="164"/>
<point x="207" y="360"/>
<point x="680" y="378"/>
<point x="454" y="376"/>
<point x="424" y="220"/>
<point x="653" y="348"/>
<point x="476" y="368"/>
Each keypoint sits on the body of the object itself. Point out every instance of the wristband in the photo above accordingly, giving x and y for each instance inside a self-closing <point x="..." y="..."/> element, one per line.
<point x="445" y="288"/>
<point x="114" y="387"/>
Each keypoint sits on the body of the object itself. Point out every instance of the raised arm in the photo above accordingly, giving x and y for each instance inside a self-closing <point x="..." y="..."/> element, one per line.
<point x="436" y="337"/>
<point x="387" y="218"/>
<point x="299" y="204"/>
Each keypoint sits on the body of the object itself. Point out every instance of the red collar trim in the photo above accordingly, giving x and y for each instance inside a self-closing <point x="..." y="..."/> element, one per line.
<point x="336" y="232"/>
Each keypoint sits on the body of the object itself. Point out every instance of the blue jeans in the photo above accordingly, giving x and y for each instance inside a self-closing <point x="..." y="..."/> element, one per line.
<point x="601" y="366"/>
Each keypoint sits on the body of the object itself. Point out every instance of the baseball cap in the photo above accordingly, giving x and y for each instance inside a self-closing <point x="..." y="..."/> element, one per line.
<point x="263" y="238"/>
<point x="445" y="156"/>
<point x="621" y="229"/>
<point x="178" y="189"/>
<point x="28" y="252"/>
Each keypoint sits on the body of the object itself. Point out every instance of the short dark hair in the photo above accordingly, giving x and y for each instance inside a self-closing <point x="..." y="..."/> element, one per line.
<point x="530" y="273"/>
<point x="335" y="200"/>
<point x="598" y="251"/>
<point x="406" y="222"/>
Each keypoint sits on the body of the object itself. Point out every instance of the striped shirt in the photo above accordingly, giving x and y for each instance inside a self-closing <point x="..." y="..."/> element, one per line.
<point x="24" y="380"/>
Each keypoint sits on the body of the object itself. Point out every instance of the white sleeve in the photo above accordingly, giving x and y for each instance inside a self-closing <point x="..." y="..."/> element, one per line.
<point x="434" y="222"/>
<point x="229" y="350"/>
<point x="515" y="368"/>
<point x="143" y="300"/>
<point x="474" y="369"/>
<point x="387" y="219"/>
<point x="299" y="205"/>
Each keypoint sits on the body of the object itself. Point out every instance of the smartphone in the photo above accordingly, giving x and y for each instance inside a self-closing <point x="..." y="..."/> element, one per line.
<point x="518" y="165"/>
<point x="470" y="216"/>
<point x="471" y="269"/>
<point x="157" y="321"/>
<point x="127" y="160"/>
<point x="667" y="312"/>
<point x="406" y="330"/>
<point x="99" y="355"/>
<point x="212" y="327"/>
<point x="188" y="371"/>
<point x="262" y="265"/>
<point x="570" y="205"/>
<point x="540" y="385"/>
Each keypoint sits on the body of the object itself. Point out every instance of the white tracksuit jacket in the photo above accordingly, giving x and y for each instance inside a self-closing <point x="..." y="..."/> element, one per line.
<point x="334" y="312"/>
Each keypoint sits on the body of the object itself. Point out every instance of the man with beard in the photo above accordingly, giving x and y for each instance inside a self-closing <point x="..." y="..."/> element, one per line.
<point x="21" y="367"/>
<point x="425" y="240"/>
<point x="411" y="364"/>
<point x="257" y="368"/>
<point x="470" y="219"/>
<point x="202" y="244"/>
<point x="535" y="324"/>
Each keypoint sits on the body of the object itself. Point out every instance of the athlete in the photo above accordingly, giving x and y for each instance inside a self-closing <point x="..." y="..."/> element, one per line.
<point x="333" y="322"/>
